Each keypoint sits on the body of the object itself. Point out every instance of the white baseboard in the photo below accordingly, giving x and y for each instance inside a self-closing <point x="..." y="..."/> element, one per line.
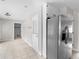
<point x="38" y="52"/>
<point x="28" y="43"/>
<point x="32" y="47"/>
<point x="44" y="55"/>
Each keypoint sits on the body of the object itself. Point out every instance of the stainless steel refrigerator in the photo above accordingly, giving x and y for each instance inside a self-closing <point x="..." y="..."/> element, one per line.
<point x="57" y="46"/>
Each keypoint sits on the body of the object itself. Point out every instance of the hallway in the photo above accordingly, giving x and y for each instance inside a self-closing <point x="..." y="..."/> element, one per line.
<point x="17" y="49"/>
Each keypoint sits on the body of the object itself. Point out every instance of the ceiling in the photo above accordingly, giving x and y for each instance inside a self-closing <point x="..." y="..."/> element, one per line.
<point x="24" y="9"/>
<point x="18" y="9"/>
<point x="74" y="4"/>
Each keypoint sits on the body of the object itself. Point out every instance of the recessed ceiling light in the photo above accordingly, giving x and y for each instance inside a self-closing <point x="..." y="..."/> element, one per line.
<point x="25" y="6"/>
<point x="2" y="0"/>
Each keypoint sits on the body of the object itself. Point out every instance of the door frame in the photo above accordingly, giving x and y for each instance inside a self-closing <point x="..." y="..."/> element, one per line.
<point x="14" y="30"/>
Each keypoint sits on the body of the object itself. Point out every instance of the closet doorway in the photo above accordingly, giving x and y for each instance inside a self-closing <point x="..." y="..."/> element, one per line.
<point x="17" y="30"/>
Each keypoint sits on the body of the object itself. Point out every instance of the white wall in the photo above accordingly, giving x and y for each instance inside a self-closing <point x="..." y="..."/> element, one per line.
<point x="7" y="29"/>
<point x="27" y="31"/>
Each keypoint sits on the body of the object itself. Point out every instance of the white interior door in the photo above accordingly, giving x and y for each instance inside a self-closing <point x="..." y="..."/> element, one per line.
<point x="35" y="32"/>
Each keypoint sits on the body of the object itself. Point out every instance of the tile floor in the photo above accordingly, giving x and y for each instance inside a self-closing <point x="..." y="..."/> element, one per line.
<point x="17" y="49"/>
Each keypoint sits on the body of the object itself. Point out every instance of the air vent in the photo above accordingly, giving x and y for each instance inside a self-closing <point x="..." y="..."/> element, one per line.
<point x="7" y="14"/>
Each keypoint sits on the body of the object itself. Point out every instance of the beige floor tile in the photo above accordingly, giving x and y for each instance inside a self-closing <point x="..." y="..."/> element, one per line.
<point x="17" y="49"/>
